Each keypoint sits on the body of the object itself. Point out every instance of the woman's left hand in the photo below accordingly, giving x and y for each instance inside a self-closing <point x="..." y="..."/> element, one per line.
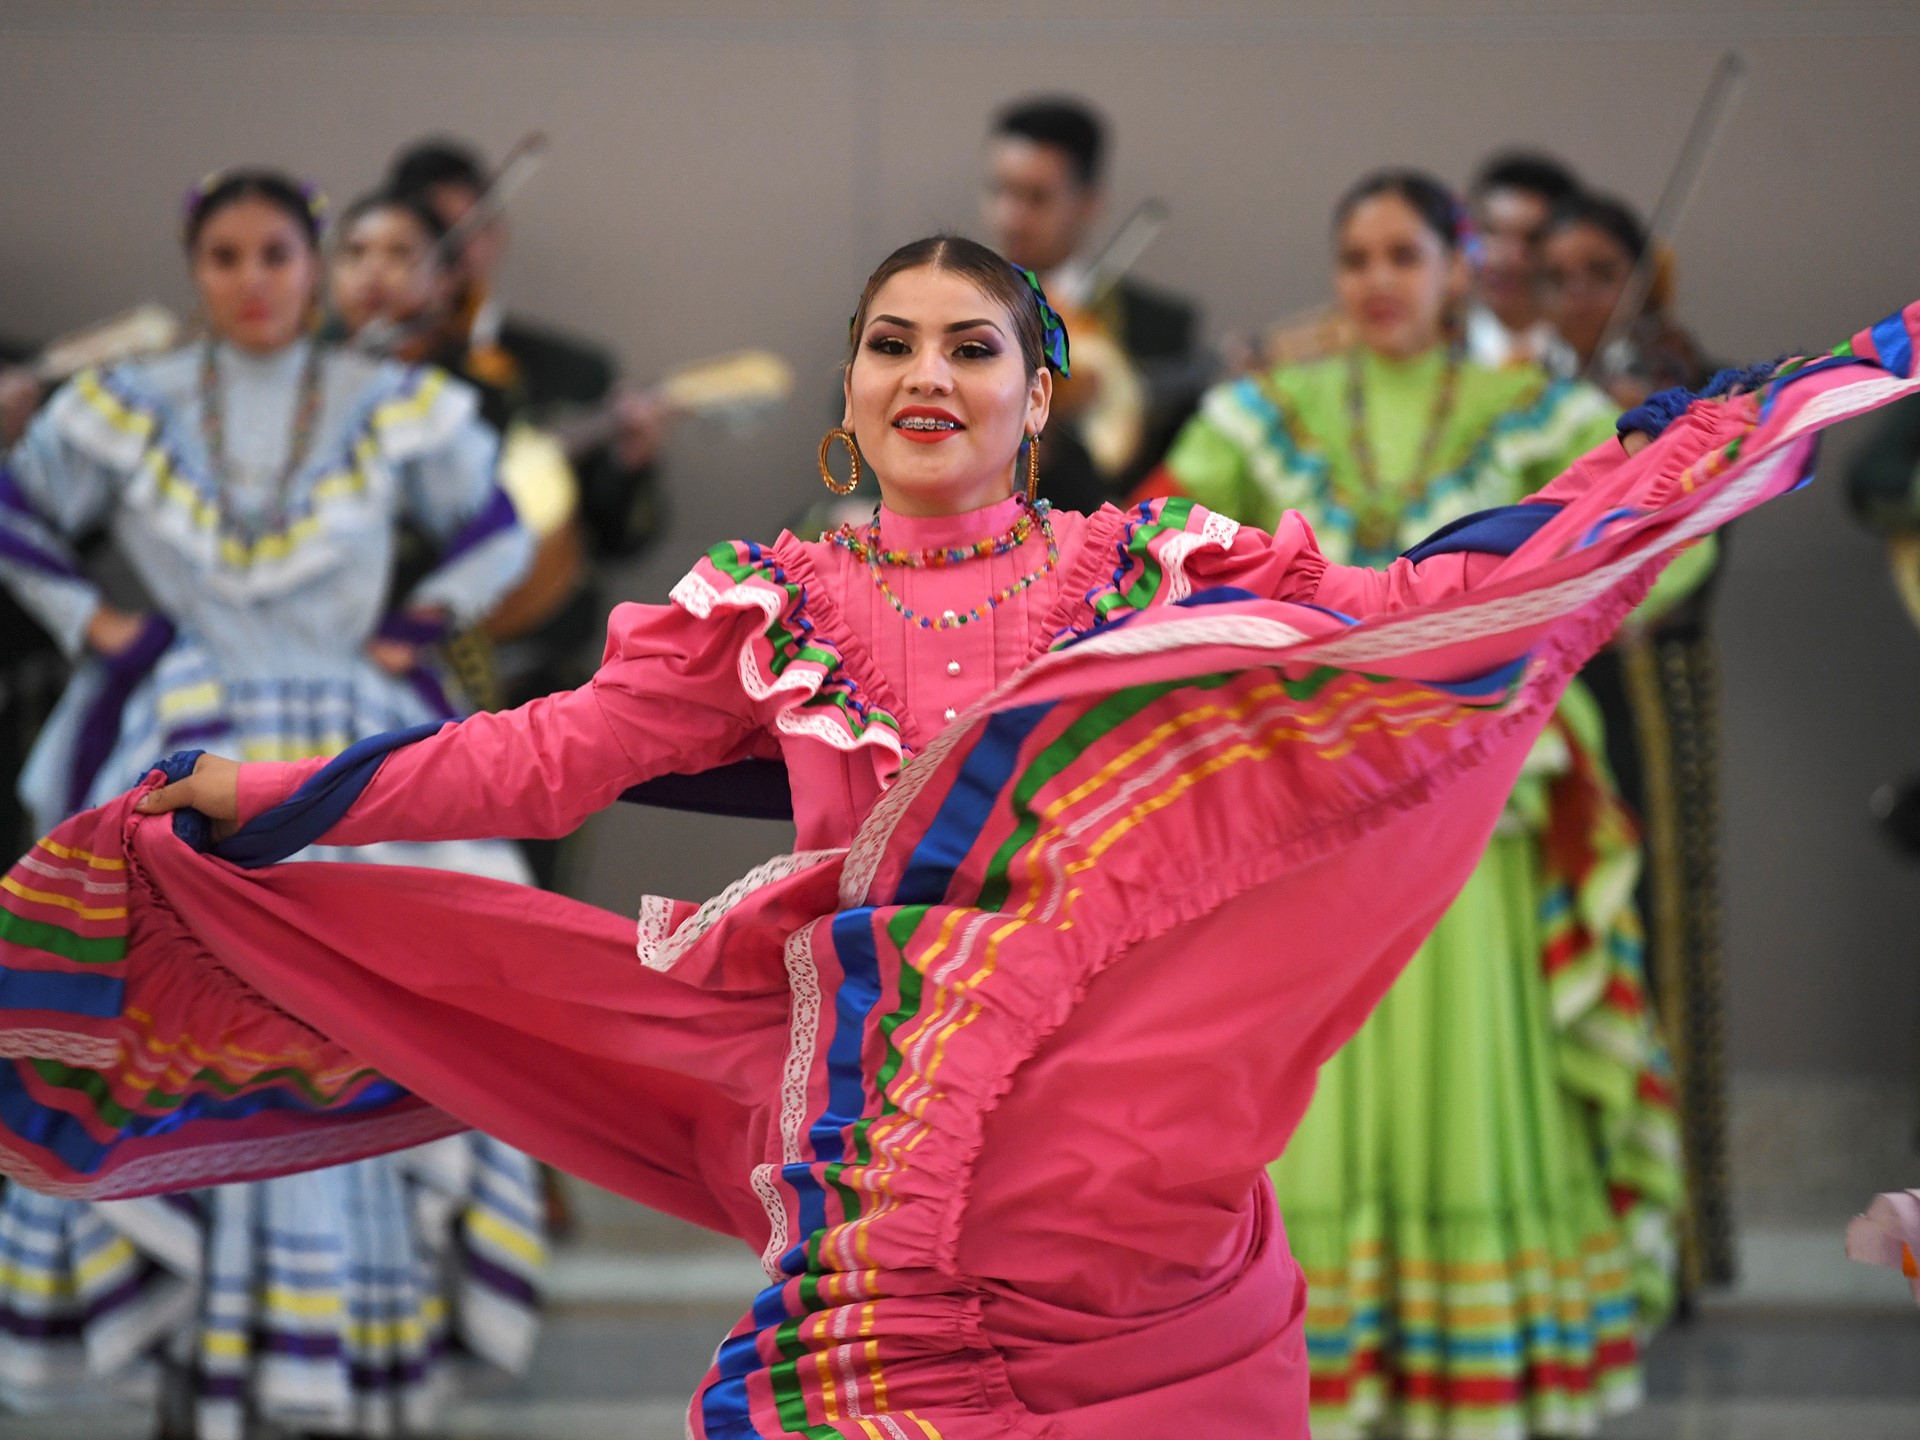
<point x="213" y="789"/>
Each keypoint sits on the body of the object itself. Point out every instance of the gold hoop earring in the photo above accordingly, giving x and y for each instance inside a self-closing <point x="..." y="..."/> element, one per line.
<point x="1033" y="468"/>
<point x="845" y="437"/>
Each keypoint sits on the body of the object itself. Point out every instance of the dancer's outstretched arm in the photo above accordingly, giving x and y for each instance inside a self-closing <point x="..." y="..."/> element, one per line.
<point x="1360" y="590"/>
<point x="666" y="699"/>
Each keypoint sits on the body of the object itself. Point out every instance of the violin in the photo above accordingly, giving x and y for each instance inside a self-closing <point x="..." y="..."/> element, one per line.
<point x="1620" y="355"/>
<point x="1106" y="397"/>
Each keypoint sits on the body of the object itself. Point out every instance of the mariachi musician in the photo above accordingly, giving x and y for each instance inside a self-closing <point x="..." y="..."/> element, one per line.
<point x="1045" y="192"/>
<point x="603" y="488"/>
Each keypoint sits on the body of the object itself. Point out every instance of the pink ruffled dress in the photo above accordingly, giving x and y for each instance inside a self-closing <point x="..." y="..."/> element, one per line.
<point x="988" y="1071"/>
<point x="1119" y="1286"/>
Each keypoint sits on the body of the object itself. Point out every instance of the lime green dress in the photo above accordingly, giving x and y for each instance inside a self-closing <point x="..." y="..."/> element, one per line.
<point x="1482" y="1192"/>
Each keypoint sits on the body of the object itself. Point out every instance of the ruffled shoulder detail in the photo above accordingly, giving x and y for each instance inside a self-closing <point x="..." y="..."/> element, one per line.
<point x="409" y="410"/>
<point x="1152" y="551"/>
<point x="1163" y="550"/>
<point x="1257" y="416"/>
<point x="788" y="664"/>
<point x="111" y="414"/>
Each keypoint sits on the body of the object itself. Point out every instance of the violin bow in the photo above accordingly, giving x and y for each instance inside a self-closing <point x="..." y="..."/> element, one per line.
<point x="383" y="336"/>
<point x="1715" y="109"/>
<point x="1120" y="254"/>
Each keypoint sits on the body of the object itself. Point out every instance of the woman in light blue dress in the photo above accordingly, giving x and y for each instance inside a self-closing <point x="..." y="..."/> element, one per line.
<point x="253" y="483"/>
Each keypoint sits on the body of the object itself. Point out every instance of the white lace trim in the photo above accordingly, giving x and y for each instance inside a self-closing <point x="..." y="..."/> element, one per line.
<point x="656" y="915"/>
<point x="218" y="1163"/>
<point x="803" y="1037"/>
<point x="870" y="844"/>
<point x="86" y="1051"/>
<point x="1850" y="399"/>
<point x="762" y="1182"/>
<point x="671" y="949"/>
<point x="803" y="981"/>
<point x="1216" y="531"/>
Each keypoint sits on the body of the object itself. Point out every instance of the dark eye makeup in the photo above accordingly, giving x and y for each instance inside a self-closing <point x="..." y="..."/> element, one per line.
<point x="972" y="349"/>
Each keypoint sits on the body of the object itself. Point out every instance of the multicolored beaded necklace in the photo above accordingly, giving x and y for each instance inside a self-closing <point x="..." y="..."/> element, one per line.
<point x="934" y="558"/>
<point x="213" y="432"/>
<point x="868" y="550"/>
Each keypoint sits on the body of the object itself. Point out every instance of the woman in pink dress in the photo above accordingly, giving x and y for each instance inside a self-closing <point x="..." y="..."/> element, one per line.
<point x="1111" y="829"/>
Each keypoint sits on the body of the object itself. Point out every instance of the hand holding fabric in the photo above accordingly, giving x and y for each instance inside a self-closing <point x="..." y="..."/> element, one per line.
<point x="213" y="789"/>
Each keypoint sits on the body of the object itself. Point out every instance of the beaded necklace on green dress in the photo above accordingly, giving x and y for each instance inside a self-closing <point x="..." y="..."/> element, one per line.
<point x="1376" y="513"/>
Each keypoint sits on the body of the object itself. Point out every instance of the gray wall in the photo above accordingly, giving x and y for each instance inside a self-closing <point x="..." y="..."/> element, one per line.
<point x="725" y="173"/>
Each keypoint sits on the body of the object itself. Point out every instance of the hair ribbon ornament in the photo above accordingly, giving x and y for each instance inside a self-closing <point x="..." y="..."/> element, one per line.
<point x="311" y="195"/>
<point x="1053" y="330"/>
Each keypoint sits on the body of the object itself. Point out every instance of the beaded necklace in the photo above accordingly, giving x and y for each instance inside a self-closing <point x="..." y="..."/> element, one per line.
<point x="869" y="550"/>
<point x="213" y="431"/>
<point x="1375" y="523"/>
<point x="935" y="557"/>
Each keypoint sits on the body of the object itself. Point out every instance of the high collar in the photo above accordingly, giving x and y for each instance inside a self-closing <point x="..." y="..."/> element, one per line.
<point x="1402" y="370"/>
<point x="929" y="532"/>
<point x="247" y="366"/>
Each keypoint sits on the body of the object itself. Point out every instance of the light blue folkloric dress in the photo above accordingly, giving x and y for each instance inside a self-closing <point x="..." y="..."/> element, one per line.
<point x="327" y="1302"/>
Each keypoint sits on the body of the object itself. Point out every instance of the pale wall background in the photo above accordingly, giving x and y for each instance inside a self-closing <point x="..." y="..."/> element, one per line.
<point x="725" y="173"/>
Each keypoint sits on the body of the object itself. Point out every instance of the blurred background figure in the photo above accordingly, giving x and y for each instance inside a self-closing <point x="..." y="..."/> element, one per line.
<point x="1658" y="685"/>
<point x="387" y="265"/>
<point x="1884" y="489"/>
<point x="1512" y="197"/>
<point x="1137" y="363"/>
<point x="1474" y="1158"/>
<point x="252" y="482"/>
<point x="580" y="449"/>
<point x="1589" y="247"/>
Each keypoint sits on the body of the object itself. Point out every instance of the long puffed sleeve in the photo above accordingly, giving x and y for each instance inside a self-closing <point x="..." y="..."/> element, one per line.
<point x="667" y="699"/>
<point x="1167" y="549"/>
<point x="61" y="480"/>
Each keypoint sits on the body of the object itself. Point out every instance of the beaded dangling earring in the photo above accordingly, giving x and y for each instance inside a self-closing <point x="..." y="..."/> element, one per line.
<point x="1033" y="468"/>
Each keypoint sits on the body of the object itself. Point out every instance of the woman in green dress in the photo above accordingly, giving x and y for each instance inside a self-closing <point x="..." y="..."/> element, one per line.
<point x="1482" y="1191"/>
